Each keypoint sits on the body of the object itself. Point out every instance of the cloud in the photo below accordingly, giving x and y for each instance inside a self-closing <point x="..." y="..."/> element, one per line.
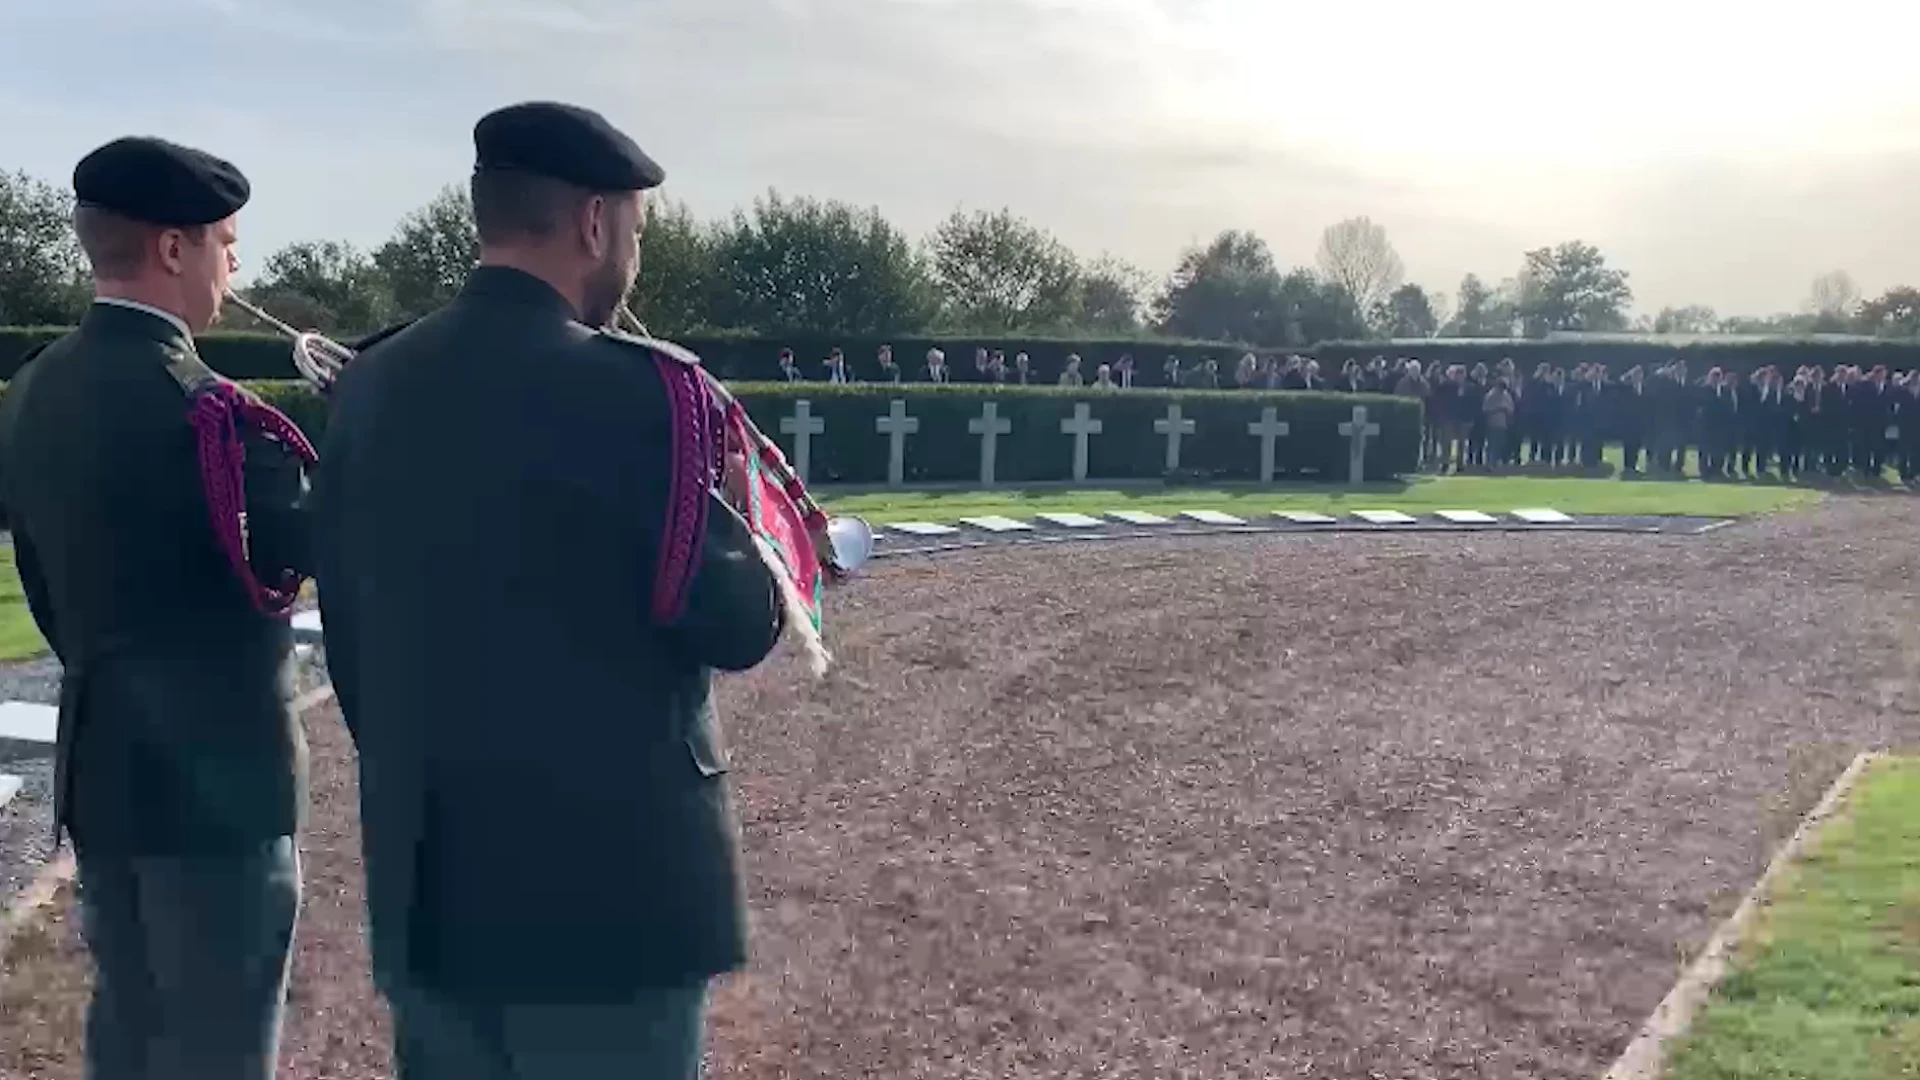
<point x="1722" y="157"/>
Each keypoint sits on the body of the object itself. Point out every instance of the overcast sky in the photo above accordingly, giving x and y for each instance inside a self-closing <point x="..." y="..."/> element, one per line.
<point x="1721" y="156"/>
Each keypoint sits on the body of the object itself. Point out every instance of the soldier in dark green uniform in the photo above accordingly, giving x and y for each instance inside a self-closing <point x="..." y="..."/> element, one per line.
<point x="181" y="773"/>
<point x="526" y="583"/>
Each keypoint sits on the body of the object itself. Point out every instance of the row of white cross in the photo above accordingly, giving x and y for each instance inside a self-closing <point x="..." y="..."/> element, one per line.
<point x="803" y="425"/>
<point x="996" y="523"/>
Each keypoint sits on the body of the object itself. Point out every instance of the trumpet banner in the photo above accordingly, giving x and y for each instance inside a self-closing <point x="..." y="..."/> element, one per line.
<point x="774" y="513"/>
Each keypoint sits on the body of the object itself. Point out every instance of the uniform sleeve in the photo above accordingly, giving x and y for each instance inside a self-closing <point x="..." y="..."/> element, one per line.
<point x="278" y="528"/>
<point x="733" y="615"/>
<point x="34" y="583"/>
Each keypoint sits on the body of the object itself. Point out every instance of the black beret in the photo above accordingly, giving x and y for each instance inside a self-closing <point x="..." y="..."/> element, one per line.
<point x="564" y="142"/>
<point x="159" y="182"/>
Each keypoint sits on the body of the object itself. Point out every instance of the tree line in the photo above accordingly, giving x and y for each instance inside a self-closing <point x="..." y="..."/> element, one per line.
<point x="789" y="265"/>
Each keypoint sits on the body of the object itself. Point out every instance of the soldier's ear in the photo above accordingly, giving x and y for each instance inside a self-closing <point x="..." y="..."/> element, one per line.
<point x="169" y="250"/>
<point x="593" y="225"/>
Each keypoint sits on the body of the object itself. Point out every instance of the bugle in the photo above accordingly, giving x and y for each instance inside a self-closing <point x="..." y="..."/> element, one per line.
<point x="316" y="357"/>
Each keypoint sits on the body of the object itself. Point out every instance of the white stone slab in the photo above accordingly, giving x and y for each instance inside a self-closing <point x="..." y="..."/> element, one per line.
<point x="26" y="721"/>
<point x="1071" y="521"/>
<point x="1541" y="516"/>
<point x="1139" y="517"/>
<point x="921" y="528"/>
<point x="9" y="787"/>
<point x="1305" y="517"/>
<point x="1211" y="517"/>
<point x="1467" y="517"/>
<point x="1384" y="517"/>
<point x="307" y="620"/>
<point x="997" y="524"/>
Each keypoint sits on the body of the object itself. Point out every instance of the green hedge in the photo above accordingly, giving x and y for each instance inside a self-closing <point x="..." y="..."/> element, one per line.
<point x="852" y="451"/>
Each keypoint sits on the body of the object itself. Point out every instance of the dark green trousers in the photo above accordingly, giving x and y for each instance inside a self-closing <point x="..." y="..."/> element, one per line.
<point x="191" y="959"/>
<point x="655" y="1035"/>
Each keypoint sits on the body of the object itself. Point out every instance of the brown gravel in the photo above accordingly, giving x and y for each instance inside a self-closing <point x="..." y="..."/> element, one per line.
<point x="1319" y="806"/>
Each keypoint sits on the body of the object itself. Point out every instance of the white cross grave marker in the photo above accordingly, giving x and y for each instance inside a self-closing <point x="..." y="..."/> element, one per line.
<point x="1357" y="430"/>
<point x="803" y="426"/>
<point x="1268" y="428"/>
<point x="1081" y="425"/>
<point x="896" y="426"/>
<point x="1173" y="426"/>
<point x="989" y="425"/>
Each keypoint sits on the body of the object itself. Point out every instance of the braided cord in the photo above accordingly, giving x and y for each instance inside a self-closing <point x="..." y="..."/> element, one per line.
<point x="217" y="412"/>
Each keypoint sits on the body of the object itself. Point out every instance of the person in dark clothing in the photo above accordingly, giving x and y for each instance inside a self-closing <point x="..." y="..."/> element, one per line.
<point x="1873" y="408"/>
<point x="1719" y="418"/>
<point x="1741" y="439"/>
<point x="1473" y="416"/>
<point x="1676" y="421"/>
<point x="1769" y="421"/>
<point x="1840" y="416"/>
<point x="1590" y="414"/>
<point x="527" y="581"/>
<point x="180" y="770"/>
<point x="1635" y="406"/>
<point x="1906" y="418"/>
<point x="1787" y="432"/>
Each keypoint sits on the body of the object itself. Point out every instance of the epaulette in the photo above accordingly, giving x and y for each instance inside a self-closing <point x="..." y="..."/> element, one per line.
<point x="192" y="373"/>
<point x="379" y="336"/>
<point x="31" y="353"/>
<point x="664" y="348"/>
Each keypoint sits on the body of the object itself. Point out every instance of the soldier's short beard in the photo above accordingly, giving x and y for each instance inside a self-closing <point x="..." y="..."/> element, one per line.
<point x="603" y="293"/>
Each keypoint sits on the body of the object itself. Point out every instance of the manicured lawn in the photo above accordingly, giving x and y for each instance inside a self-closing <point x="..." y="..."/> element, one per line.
<point x="1494" y="494"/>
<point x="1829" y="985"/>
<point x="19" y="637"/>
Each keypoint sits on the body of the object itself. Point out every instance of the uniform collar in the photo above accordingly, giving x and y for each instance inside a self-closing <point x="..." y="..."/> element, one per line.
<point x="162" y="314"/>
<point x="506" y="285"/>
<point x="132" y="317"/>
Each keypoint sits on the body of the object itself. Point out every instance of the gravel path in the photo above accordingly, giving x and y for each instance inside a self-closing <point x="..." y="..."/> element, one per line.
<point x="1326" y="806"/>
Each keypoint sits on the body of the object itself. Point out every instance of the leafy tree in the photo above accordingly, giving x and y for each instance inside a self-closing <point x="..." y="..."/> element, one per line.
<point x="1110" y="296"/>
<point x="676" y="291"/>
<point x="1692" y="319"/>
<point x="1409" y="313"/>
<point x="1229" y="290"/>
<point x="1480" y="312"/>
<point x="1894" y="313"/>
<point x="802" y="265"/>
<point x="1571" y="287"/>
<point x="44" y="276"/>
<point x="431" y="253"/>
<point x="1356" y="255"/>
<point x="1313" y="309"/>
<point x="324" y="284"/>
<point x="997" y="271"/>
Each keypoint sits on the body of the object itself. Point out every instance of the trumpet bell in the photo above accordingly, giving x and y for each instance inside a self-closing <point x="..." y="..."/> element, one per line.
<point x="851" y="541"/>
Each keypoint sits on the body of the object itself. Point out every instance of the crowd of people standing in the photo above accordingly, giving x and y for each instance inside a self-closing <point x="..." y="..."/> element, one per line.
<point x="1487" y="417"/>
<point x="1812" y="423"/>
